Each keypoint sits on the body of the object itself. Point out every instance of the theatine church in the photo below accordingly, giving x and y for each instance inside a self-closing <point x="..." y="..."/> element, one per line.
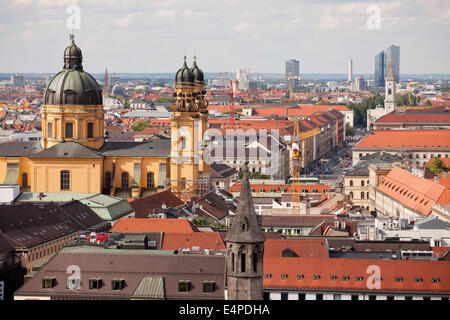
<point x="73" y="155"/>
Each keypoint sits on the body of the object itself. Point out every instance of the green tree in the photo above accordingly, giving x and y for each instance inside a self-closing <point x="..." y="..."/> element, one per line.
<point x="428" y="103"/>
<point x="349" y="131"/>
<point x="139" y="126"/>
<point x="437" y="166"/>
<point x="164" y="100"/>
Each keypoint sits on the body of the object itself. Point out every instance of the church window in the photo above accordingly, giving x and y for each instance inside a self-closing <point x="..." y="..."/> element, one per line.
<point x="150" y="180"/>
<point x="90" y="130"/>
<point x="108" y="179"/>
<point x="65" y="180"/>
<point x="125" y="179"/>
<point x="24" y="179"/>
<point x="255" y="262"/>
<point x="242" y="262"/>
<point x="50" y="130"/>
<point x="69" y="130"/>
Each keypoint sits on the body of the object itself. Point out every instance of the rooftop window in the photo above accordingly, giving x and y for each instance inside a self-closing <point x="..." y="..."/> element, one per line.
<point x="184" y="285"/>
<point x="95" y="283"/>
<point x="208" y="286"/>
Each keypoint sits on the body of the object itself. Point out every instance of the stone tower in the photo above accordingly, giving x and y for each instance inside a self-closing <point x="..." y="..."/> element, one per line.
<point x="245" y="249"/>
<point x="188" y="126"/>
<point x="390" y="102"/>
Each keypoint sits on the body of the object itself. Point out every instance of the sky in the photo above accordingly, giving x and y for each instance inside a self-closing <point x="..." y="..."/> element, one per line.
<point x="146" y="36"/>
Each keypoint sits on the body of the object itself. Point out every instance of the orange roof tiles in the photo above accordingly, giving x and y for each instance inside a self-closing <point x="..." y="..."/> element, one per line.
<point x="409" y="117"/>
<point x="303" y="248"/>
<point x="408" y="270"/>
<point x="143" y="225"/>
<point x="416" y="193"/>
<point x="203" y="240"/>
<point x="408" y="139"/>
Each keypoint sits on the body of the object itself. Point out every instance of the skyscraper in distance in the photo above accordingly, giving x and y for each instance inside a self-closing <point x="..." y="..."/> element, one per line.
<point x="382" y="61"/>
<point x="293" y="70"/>
<point x="350" y="70"/>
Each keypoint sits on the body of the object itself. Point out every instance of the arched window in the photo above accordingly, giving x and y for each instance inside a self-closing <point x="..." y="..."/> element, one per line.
<point x="362" y="183"/>
<point x="65" y="180"/>
<point x="90" y="130"/>
<point x="351" y="183"/>
<point x="362" y="195"/>
<point x="183" y="183"/>
<point x="351" y="194"/>
<point x="150" y="180"/>
<point x="232" y="262"/>
<point x="367" y="195"/>
<point x="24" y="179"/>
<point x="108" y="179"/>
<point x="50" y="130"/>
<point x="69" y="130"/>
<point x="389" y="91"/>
<point x="125" y="180"/>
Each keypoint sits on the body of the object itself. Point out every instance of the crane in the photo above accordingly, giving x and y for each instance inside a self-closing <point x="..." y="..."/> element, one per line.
<point x="290" y="77"/>
<point x="297" y="158"/>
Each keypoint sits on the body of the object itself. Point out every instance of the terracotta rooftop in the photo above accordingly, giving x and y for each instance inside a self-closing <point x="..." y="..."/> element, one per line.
<point x="143" y="225"/>
<point x="416" y="193"/>
<point x="409" y="117"/>
<point x="202" y="240"/>
<point x="407" y="139"/>
<point x="146" y="205"/>
<point x="407" y="270"/>
<point x="301" y="248"/>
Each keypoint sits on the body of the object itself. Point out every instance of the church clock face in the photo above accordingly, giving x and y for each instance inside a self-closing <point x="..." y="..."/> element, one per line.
<point x="184" y="131"/>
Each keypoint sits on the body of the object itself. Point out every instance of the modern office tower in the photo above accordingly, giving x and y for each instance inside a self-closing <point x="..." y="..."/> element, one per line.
<point x="243" y="78"/>
<point x="350" y="71"/>
<point x="17" y="81"/>
<point x="392" y="54"/>
<point x="379" y="70"/>
<point x="382" y="61"/>
<point x="360" y="84"/>
<point x="293" y="70"/>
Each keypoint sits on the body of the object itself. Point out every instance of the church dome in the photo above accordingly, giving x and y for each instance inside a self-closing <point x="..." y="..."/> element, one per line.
<point x="184" y="75"/>
<point x="73" y="86"/>
<point x="197" y="73"/>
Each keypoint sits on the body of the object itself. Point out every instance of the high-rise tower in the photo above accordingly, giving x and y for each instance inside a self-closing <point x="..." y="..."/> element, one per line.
<point x="350" y="71"/>
<point x="245" y="249"/>
<point x="188" y="126"/>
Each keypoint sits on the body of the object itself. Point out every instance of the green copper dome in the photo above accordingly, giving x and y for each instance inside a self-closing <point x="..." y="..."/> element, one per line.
<point x="73" y="86"/>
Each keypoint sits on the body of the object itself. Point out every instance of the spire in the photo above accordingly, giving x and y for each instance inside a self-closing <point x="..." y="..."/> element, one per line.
<point x="390" y="72"/>
<point x="245" y="227"/>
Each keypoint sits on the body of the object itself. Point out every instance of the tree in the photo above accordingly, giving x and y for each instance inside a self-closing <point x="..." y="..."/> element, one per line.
<point x="428" y="103"/>
<point x="164" y="100"/>
<point x="437" y="166"/>
<point x="349" y="131"/>
<point x="139" y="126"/>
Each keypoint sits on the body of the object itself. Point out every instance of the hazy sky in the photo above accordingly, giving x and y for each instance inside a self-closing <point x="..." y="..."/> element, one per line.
<point x="152" y="36"/>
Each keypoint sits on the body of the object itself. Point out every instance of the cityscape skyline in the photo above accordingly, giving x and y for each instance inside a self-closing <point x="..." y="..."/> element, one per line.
<point x="150" y="37"/>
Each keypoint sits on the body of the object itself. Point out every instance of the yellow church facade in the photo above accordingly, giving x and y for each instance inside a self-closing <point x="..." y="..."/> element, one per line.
<point x="73" y="155"/>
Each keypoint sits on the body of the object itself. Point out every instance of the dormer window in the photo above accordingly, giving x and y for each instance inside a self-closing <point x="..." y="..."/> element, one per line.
<point x="417" y="279"/>
<point x="48" y="282"/>
<point x="316" y="277"/>
<point x="267" y="276"/>
<point x="95" y="283"/>
<point x="284" y="276"/>
<point x="117" y="284"/>
<point x="184" y="285"/>
<point x="208" y="286"/>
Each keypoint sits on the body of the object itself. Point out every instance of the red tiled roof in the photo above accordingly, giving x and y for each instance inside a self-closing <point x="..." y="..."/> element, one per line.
<point x="203" y="240"/>
<point x="416" y="193"/>
<point x="407" y="117"/>
<point x="145" y="225"/>
<point x="408" y="270"/>
<point x="410" y="139"/>
<point x="303" y="248"/>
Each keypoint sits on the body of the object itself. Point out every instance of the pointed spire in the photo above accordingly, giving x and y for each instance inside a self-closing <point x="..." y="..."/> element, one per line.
<point x="245" y="227"/>
<point x="72" y="36"/>
<point x="390" y="72"/>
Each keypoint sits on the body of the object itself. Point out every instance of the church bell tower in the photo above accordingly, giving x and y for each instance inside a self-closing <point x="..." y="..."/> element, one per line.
<point x="390" y="99"/>
<point x="188" y="126"/>
<point x="245" y="249"/>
